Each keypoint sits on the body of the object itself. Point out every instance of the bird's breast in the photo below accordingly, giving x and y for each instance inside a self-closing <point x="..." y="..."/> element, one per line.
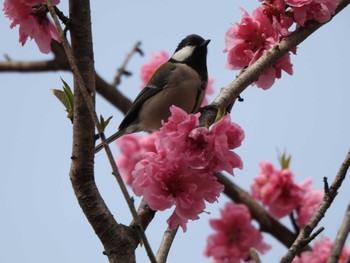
<point x="180" y="90"/>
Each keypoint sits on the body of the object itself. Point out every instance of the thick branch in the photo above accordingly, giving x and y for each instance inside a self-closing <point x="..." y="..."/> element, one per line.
<point x="303" y="237"/>
<point x="30" y="66"/>
<point x="81" y="70"/>
<point x="119" y="241"/>
<point x="267" y="223"/>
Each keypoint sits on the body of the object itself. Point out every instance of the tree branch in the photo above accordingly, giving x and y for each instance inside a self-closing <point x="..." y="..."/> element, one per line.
<point x="106" y="228"/>
<point x="122" y="70"/>
<point x="80" y="58"/>
<point x="303" y="237"/>
<point x="30" y="66"/>
<point x="340" y="239"/>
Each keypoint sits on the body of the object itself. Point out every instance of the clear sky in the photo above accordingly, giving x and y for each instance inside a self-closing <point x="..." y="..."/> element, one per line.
<point x="307" y="114"/>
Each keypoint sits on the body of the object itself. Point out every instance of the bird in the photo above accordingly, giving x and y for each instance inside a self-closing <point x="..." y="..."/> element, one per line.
<point x="181" y="81"/>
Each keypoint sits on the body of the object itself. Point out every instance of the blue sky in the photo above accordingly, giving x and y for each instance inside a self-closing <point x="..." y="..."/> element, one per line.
<point x="307" y="114"/>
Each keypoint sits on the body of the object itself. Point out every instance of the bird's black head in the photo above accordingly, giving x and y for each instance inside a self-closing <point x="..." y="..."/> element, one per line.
<point x="192" y="50"/>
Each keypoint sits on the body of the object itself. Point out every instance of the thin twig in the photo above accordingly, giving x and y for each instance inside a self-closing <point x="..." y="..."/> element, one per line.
<point x="342" y="234"/>
<point x="314" y="235"/>
<point x="122" y="70"/>
<point x="328" y="198"/>
<point x="254" y="255"/>
<point x="294" y="222"/>
<point x="325" y="184"/>
<point x="165" y="245"/>
<point x="93" y="114"/>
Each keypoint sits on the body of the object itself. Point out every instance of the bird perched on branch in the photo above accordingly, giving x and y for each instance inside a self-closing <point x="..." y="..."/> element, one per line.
<point x="181" y="81"/>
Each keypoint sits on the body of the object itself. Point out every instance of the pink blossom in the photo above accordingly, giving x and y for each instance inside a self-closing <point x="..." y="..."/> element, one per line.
<point x="164" y="183"/>
<point x="276" y="189"/>
<point x="234" y="236"/>
<point x="310" y="202"/>
<point x="250" y="39"/>
<point x="319" y="10"/>
<point x="206" y="150"/>
<point x="275" y="11"/>
<point x="133" y="149"/>
<point x="267" y="79"/>
<point x="246" y="41"/>
<point x="228" y="135"/>
<point x="180" y="171"/>
<point x="320" y="252"/>
<point x="31" y="17"/>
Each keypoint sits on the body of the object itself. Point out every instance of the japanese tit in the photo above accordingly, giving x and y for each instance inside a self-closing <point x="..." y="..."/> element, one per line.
<point x="181" y="81"/>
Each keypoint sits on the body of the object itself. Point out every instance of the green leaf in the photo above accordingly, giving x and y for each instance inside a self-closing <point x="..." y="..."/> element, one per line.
<point x="62" y="97"/>
<point x="220" y="114"/>
<point x="69" y="95"/>
<point x="66" y="97"/>
<point x="104" y="122"/>
<point x="284" y="160"/>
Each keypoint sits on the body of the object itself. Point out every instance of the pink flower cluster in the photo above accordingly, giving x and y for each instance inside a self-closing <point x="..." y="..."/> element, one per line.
<point x="306" y="10"/>
<point x="249" y="39"/>
<point x="320" y="253"/>
<point x="133" y="149"/>
<point x="157" y="59"/>
<point x="180" y="171"/>
<point x="277" y="190"/>
<point x="234" y="236"/>
<point x="31" y="16"/>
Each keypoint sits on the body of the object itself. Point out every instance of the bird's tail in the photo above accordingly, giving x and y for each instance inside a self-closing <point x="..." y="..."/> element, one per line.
<point x="110" y="139"/>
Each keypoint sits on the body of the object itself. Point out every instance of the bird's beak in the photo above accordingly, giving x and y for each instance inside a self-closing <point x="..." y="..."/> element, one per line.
<point x="205" y="43"/>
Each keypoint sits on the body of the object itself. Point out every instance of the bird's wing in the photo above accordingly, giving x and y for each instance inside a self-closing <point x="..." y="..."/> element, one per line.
<point x="155" y="85"/>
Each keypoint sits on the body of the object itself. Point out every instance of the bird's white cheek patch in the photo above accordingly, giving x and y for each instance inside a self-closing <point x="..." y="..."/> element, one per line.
<point x="183" y="53"/>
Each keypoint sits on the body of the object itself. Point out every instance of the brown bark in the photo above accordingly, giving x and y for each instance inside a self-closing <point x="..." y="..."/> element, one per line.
<point x="119" y="241"/>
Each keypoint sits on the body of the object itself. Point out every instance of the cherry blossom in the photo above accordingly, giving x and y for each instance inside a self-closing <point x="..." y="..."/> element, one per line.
<point x="133" y="149"/>
<point x="164" y="183"/>
<point x="310" y="202"/>
<point x="210" y="150"/>
<point x="31" y="16"/>
<point x="277" y="190"/>
<point x="180" y="171"/>
<point x="319" y="10"/>
<point x="250" y="39"/>
<point x="275" y="10"/>
<point x="234" y="236"/>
